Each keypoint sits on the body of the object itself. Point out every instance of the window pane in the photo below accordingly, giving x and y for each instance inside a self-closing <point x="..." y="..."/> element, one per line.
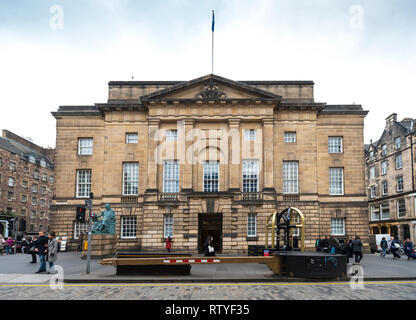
<point x="290" y="177"/>
<point x="251" y="224"/>
<point x="211" y="176"/>
<point x="85" y="146"/>
<point x="170" y="176"/>
<point x="132" y="137"/>
<point x="336" y="181"/>
<point x="337" y="227"/>
<point x="401" y="208"/>
<point x="83" y="183"/>
<point x="171" y="135"/>
<point x="385" y="210"/>
<point x="168" y="225"/>
<point x="250" y="135"/>
<point x="290" y="137"/>
<point x="335" y="144"/>
<point x="128" y="227"/>
<point x="130" y="178"/>
<point x="250" y="175"/>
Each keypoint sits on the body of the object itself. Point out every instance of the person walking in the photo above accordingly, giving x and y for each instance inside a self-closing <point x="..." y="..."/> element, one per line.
<point x="2" y="242"/>
<point x="394" y="246"/>
<point x="41" y="249"/>
<point x="384" y="245"/>
<point x="52" y="252"/>
<point x="346" y="250"/>
<point x="208" y="247"/>
<point x="168" y="243"/>
<point x="357" y="246"/>
<point x="9" y="245"/>
<point x="408" y="249"/>
<point x="33" y="245"/>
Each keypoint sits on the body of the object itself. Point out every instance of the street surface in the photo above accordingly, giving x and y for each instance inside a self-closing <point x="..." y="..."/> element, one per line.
<point x="265" y="291"/>
<point x="18" y="281"/>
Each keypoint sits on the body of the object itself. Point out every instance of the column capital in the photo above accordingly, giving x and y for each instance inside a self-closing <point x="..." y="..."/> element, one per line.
<point x="189" y="122"/>
<point x="234" y="122"/>
<point x="153" y="122"/>
<point x="267" y="121"/>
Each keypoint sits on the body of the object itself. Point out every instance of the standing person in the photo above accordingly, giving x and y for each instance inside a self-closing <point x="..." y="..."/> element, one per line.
<point x="80" y="242"/>
<point x="384" y="245"/>
<point x="357" y="249"/>
<point x="333" y="244"/>
<point x="41" y="249"/>
<point x="408" y="249"/>
<point x="208" y="247"/>
<point x="325" y="244"/>
<point x="347" y="250"/>
<point x="2" y="242"/>
<point x="32" y="247"/>
<point x="9" y="245"/>
<point x="168" y="243"/>
<point x="394" y="246"/>
<point x="52" y="251"/>
<point x="318" y="244"/>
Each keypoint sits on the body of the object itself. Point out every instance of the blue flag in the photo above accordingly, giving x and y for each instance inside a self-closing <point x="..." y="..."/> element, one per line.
<point x="213" y="20"/>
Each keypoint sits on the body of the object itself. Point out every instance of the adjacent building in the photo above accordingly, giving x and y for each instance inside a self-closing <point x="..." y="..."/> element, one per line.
<point x="390" y="174"/>
<point x="210" y="156"/>
<point x="26" y="184"/>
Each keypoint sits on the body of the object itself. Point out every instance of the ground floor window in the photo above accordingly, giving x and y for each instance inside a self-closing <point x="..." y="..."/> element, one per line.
<point x="252" y="225"/>
<point x="128" y="227"/>
<point x="337" y="227"/>
<point x="168" y="225"/>
<point x="80" y="227"/>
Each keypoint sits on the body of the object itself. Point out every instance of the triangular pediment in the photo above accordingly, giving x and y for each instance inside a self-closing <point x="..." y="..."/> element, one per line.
<point x="210" y="87"/>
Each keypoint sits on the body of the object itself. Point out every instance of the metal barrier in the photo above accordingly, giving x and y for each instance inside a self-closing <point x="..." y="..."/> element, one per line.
<point x="273" y="262"/>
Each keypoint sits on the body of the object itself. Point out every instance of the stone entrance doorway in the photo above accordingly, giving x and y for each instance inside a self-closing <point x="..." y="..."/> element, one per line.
<point x="210" y="224"/>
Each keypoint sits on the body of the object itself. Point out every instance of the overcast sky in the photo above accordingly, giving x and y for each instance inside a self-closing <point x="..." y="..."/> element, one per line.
<point x="65" y="52"/>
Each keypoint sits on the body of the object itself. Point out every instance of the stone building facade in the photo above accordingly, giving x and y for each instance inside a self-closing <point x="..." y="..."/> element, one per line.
<point x="390" y="176"/>
<point x="26" y="183"/>
<point x="211" y="156"/>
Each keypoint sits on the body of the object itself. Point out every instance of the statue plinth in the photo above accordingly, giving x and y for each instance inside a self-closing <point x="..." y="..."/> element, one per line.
<point x="102" y="246"/>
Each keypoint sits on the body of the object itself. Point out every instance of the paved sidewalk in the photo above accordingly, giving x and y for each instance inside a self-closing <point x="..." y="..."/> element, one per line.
<point x="17" y="269"/>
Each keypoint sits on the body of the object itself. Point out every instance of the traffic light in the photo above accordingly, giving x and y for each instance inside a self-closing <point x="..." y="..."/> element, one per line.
<point x="10" y="227"/>
<point x="80" y="217"/>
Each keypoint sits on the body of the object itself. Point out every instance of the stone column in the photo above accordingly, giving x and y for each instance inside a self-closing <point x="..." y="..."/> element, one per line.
<point x="152" y="156"/>
<point x="186" y="148"/>
<point x="268" y="126"/>
<point x="234" y="155"/>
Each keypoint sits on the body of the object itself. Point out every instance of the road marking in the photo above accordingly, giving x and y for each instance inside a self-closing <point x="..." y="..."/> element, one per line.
<point x="208" y="284"/>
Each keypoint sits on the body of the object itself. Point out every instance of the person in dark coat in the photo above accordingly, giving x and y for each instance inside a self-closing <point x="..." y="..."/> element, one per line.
<point x="325" y="244"/>
<point x="207" y="245"/>
<point x="347" y="250"/>
<point x="42" y="249"/>
<point x="318" y="244"/>
<point x="33" y="245"/>
<point x="357" y="248"/>
<point x="408" y="249"/>
<point x="394" y="246"/>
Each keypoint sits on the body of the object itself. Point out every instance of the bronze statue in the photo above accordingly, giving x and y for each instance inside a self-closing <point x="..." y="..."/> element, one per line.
<point x="108" y="224"/>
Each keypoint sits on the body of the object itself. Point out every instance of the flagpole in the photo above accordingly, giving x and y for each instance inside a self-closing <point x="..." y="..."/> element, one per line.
<point x="212" y="54"/>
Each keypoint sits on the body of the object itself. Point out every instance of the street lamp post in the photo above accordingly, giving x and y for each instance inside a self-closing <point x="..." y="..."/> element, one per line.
<point x="88" y="202"/>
